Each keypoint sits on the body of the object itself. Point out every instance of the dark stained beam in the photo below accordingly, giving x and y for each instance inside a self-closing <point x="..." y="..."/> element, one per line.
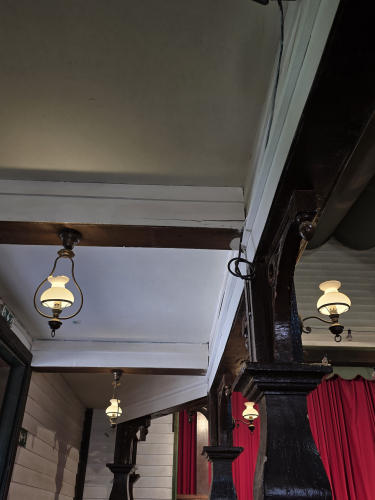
<point x="111" y="235"/>
<point x="127" y="371"/>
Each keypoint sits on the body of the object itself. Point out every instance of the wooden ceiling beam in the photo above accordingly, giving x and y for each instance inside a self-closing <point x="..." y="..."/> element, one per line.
<point x="114" y="235"/>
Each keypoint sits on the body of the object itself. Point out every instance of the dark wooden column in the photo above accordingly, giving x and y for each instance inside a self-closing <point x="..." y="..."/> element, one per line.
<point x="221" y="453"/>
<point x="124" y="465"/>
<point x="288" y="465"/>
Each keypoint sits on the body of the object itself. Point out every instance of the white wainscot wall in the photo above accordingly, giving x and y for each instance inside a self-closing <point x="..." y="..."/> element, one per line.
<point x="46" y="468"/>
<point x="154" y="460"/>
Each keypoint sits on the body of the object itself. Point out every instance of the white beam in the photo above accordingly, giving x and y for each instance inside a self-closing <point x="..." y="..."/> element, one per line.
<point x="89" y="203"/>
<point x="307" y="27"/>
<point x="145" y="355"/>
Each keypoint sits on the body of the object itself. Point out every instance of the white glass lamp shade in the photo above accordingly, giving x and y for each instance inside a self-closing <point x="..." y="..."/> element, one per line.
<point x="332" y="301"/>
<point x="250" y="413"/>
<point x="57" y="296"/>
<point x="114" y="410"/>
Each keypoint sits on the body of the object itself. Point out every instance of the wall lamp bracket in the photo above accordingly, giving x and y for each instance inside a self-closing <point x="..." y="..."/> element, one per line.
<point x="336" y="329"/>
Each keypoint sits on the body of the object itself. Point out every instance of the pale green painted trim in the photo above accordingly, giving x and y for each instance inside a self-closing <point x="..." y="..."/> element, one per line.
<point x="350" y="372"/>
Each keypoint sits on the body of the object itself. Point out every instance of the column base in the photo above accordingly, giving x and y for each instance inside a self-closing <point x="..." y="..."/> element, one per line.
<point x="288" y="464"/>
<point x="221" y="458"/>
<point x="121" y="481"/>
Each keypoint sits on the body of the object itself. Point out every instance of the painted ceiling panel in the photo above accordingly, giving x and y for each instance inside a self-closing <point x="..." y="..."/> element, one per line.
<point x="141" y="92"/>
<point x="132" y="294"/>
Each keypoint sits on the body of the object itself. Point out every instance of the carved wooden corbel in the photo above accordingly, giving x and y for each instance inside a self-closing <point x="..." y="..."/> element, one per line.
<point x="124" y="465"/>
<point x="296" y="230"/>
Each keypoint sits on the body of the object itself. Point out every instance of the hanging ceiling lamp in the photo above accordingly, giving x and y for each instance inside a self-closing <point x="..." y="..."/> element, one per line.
<point x="114" y="411"/>
<point x="249" y="414"/>
<point x="58" y="297"/>
<point x="332" y="303"/>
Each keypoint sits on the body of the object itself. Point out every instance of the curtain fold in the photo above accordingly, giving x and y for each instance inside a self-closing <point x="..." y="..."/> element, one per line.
<point x="187" y="455"/>
<point x="244" y="466"/>
<point x="342" y="421"/>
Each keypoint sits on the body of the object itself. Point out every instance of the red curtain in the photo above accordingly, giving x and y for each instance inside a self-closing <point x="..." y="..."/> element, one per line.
<point x="244" y="466"/>
<point x="342" y="420"/>
<point x="187" y="455"/>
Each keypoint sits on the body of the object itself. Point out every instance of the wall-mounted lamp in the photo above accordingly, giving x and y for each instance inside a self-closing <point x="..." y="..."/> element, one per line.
<point x="332" y="303"/>
<point x="250" y="414"/>
<point x="58" y="297"/>
<point x="114" y="411"/>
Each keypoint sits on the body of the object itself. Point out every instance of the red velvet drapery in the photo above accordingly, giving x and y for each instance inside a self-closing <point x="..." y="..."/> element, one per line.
<point x="244" y="466"/>
<point x="342" y="419"/>
<point x="187" y="455"/>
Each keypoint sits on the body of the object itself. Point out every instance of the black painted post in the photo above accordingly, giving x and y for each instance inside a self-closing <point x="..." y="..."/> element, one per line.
<point x="222" y="452"/>
<point x="124" y="465"/>
<point x="288" y="464"/>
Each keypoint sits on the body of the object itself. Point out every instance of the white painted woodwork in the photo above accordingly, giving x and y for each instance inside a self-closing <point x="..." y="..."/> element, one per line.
<point x="307" y="26"/>
<point x="18" y="491"/>
<point x="156" y="477"/>
<point x="119" y="354"/>
<point x="356" y="271"/>
<point x="121" y="204"/>
<point x="154" y="460"/>
<point x="131" y="295"/>
<point x="98" y="479"/>
<point x="46" y="469"/>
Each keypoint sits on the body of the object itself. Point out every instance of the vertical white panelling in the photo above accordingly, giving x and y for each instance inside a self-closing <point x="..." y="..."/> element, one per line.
<point x="46" y="468"/>
<point x="99" y="479"/>
<point x="154" y="460"/>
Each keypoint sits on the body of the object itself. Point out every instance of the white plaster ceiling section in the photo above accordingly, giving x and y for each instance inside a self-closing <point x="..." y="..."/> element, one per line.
<point x="130" y="294"/>
<point x="139" y="394"/>
<point x="143" y="92"/>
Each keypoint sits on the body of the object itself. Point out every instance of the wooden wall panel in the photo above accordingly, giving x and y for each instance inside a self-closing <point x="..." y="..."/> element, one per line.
<point x="154" y="460"/>
<point x="46" y="468"/>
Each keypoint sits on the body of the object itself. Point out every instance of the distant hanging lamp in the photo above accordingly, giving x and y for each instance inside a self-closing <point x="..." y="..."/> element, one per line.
<point x="249" y="414"/>
<point x="58" y="297"/>
<point x="332" y="303"/>
<point x="114" y="410"/>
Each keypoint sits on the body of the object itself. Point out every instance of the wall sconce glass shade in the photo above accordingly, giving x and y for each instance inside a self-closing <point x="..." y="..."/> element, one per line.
<point x="114" y="411"/>
<point x="57" y="297"/>
<point x="332" y="302"/>
<point x="250" y="413"/>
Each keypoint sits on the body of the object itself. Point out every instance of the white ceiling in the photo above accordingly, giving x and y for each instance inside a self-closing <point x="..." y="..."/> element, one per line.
<point x="133" y="294"/>
<point x="95" y="389"/>
<point x="144" y="92"/>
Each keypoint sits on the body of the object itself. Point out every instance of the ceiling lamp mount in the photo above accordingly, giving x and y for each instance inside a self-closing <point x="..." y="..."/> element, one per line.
<point x="332" y="303"/>
<point x="114" y="410"/>
<point x="58" y="297"/>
